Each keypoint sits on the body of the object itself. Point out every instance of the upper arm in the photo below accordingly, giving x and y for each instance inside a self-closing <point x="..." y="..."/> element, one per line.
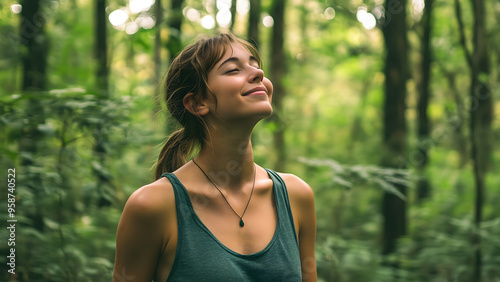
<point x="302" y="204"/>
<point x="140" y="235"/>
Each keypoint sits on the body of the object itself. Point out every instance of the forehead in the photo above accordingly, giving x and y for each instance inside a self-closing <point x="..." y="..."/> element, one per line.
<point x="234" y="50"/>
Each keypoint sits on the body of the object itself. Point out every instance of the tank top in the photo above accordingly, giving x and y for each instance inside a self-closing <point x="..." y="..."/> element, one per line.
<point x="200" y="256"/>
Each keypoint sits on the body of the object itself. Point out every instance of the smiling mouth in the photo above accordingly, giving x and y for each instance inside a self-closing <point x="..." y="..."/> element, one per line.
<point x="256" y="91"/>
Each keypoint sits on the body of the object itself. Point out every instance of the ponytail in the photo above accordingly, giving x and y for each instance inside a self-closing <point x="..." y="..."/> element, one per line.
<point x="178" y="147"/>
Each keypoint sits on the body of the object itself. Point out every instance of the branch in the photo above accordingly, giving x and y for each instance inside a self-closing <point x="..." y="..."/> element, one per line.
<point x="458" y="13"/>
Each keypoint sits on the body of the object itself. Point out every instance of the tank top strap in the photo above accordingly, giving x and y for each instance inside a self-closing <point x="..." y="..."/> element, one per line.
<point x="182" y="200"/>
<point x="184" y="215"/>
<point x="179" y="192"/>
<point x="283" y="202"/>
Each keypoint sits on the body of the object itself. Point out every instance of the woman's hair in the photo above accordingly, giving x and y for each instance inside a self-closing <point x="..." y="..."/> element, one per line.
<point x="188" y="73"/>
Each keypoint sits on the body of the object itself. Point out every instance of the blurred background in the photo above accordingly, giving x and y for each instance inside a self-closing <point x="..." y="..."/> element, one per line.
<point x="386" y="108"/>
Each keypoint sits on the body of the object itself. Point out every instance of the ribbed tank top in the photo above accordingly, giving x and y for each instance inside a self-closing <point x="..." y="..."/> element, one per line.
<point x="200" y="256"/>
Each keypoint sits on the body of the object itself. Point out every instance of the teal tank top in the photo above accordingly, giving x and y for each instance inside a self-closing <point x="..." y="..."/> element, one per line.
<point x="200" y="256"/>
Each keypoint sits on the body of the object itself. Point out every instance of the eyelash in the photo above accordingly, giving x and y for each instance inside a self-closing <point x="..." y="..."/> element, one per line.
<point x="233" y="70"/>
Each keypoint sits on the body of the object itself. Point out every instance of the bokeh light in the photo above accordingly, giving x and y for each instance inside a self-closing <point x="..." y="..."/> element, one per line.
<point x="268" y="21"/>
<point x="329" y="13"/>
<point x="208" y="22"/>
<point x="118" y="17"/>
<point x="16" y="8"/>
<point x="242" y="7"/>
<point x="137" y="6"/>
<point x="224" y="18"/>
<point x="366" y="19"/>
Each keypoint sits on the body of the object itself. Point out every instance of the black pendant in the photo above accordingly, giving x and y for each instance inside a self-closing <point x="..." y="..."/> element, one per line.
<point x="242" y="223"/>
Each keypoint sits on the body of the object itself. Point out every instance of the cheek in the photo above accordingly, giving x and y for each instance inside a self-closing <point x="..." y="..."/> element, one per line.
<point x="227" y="86"/>
<point x="269" y="86"/>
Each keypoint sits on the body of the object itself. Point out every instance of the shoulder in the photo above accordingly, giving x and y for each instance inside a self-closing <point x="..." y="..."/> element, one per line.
<point x="298" y="189"/>
<point x="151" y="202"/>
<point x="301" y="202"/>
<point x="144" y="230"/>
<point x="302" y="205"/>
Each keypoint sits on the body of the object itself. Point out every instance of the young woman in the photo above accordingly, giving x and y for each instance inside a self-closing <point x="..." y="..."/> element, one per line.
<point x="219" y="216"/>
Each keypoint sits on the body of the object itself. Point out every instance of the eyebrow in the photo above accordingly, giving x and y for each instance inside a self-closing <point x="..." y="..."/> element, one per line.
<point x="235" y="59"/>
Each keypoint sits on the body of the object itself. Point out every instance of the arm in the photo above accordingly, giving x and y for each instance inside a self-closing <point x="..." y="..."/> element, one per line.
<point x="139" y="238"/>
<point x="302" y="203"/>
<point x="307" y="237"/>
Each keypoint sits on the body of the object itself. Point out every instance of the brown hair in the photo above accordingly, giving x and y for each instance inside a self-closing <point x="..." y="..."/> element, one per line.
<point x="188" y="73"/>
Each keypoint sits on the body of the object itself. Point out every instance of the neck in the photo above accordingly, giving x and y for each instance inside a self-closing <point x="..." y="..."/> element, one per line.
<point x="227" y="157"/>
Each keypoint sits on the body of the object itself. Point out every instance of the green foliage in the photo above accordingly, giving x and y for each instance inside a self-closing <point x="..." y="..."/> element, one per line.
<point x="58" y="186"/>
<point x="346" y="176"/>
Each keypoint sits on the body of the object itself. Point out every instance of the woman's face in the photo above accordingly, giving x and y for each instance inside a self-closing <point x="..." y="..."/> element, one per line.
<point x="240" y="87"/>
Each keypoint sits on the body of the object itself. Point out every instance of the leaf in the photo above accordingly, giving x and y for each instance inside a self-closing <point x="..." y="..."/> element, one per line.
<point x="50" y="223"/>
<point x="388" y="187"/>
<point x="342" y="182"/>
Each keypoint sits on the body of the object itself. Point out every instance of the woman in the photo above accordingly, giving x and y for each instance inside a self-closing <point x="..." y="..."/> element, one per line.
<point x="218" y="217"/>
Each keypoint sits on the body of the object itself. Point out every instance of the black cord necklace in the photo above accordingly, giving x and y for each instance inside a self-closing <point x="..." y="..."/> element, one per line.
<point x="253" y="186"/>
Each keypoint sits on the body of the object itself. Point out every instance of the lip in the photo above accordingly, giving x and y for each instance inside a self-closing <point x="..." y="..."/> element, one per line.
<point x="256" y="91"/>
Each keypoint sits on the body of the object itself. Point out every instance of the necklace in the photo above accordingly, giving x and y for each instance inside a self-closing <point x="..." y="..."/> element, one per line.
<point x="253" y="186"/>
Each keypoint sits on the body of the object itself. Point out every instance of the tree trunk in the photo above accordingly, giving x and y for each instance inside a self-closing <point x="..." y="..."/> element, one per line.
<point x="277" y="72"/>
<point x="157" y="55"/>
<point x="254" y="22"/>
<point x="394" y="132"/>
<point x="102" y="78"/>
<point x="233" y="15"/>
<point x="33" y="38"/>
<point x="423" y="184"/>
<point x="481" y="117"/>
<point x="157" y="52"/>
<point x="35" y="42"/>
<point x="174" y="22"/>
<point x="174" y="46"/>
<point x="101" y="51"/>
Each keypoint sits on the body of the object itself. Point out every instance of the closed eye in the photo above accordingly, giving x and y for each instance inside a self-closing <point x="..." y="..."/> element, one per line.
<point x="232" y="70"/>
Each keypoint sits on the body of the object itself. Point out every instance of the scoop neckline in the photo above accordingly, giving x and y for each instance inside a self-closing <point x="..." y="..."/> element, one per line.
<point x="207" y="230"/>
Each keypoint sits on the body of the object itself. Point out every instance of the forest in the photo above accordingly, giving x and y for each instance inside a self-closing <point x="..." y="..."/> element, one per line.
<point x="388" y="109"/>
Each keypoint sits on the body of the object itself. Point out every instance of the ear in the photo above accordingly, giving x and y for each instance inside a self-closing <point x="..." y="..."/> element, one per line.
<point x="195" y="107"/>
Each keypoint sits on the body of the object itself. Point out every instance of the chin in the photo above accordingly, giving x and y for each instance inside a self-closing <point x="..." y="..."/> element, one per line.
<point x="265" y="112"/>
<point x="253" y="114"/>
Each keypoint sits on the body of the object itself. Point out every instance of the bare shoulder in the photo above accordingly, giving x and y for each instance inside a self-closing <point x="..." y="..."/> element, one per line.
<point x="302" y="205"/>
<point x="301" y="202"/>
<point x="152" y="200"/>
<point x="298" y="189"/>
<point x="144" y="230"/>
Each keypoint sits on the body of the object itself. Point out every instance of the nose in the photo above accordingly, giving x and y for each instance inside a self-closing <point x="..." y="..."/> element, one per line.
<point x="257" y="75"/>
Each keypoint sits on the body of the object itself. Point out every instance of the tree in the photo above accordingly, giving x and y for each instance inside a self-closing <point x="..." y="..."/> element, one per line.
<point x="277" y="73"/>
<point x="394" y="121"/>
<point x="174" y="23"/>
<point x="481" y="117"/>
<point x="423" y="185"/>
<point x="253" y="22"/>
<point x="174" y="45"/>
<point x="100" y="47"/>
<point x="158" y="10"/>
<point x="34" y="44"/>
<point x="102" y="81"/>
<point x="233" y="14"/>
